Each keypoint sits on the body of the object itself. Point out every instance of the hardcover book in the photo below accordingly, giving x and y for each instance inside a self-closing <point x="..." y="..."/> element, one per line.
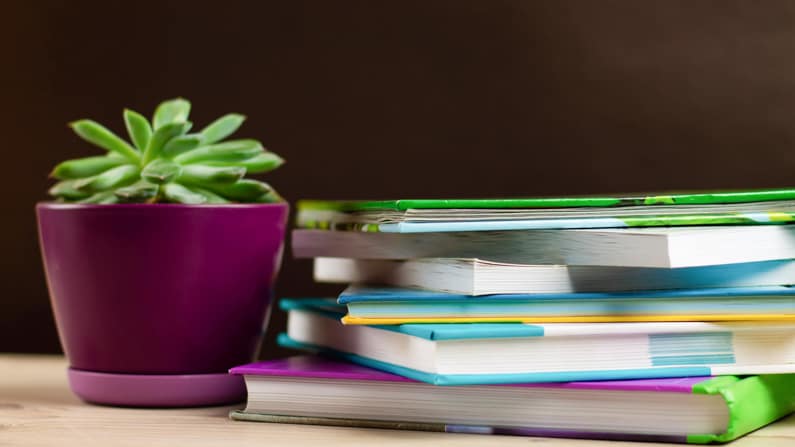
<point x="493" y="353"/>
<point x="384" y="305"/>
<point x="479" y="277"/>
<point x="316" y="390"/>
<point x="444" y="215"/>
<point x="666" y="247"/>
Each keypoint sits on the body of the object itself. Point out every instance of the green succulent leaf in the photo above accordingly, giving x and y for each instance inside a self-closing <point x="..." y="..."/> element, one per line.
<point x="161" y="171"/>
<point x="245" y="190"/>
<point x="270" y="197"/>
<point x="229" y="151"/>
<point x="140" y="191"/>
<point x="85" y="167"/>
<point x="138" y="127"/>
<point x="66" y="190"/>
<point x="201" y="174"/>
<point x="162" y="136"/>
<point x="210" y="196"/>
<point x="112" y="178"/>
<point x="106" y="197"/>
<point x="222" y="127"/>
<point x="174" y="192"/>
<point x="98" y="135"/>
<point x="181" y="144"/>
<point x="172" y="111"/>
<point x="263" y="162"/>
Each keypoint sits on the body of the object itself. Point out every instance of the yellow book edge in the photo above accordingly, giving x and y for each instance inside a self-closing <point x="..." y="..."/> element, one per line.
<point x="571" y="319"/>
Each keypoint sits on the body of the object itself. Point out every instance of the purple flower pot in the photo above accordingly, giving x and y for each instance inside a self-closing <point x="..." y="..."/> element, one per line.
<point x="154" y="303"/>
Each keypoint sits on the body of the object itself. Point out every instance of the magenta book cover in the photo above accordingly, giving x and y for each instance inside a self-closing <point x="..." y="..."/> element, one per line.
<point x="325" y="368"/>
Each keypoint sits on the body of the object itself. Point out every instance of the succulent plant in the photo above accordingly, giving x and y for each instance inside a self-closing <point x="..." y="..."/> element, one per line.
<point x="166" y="163"/>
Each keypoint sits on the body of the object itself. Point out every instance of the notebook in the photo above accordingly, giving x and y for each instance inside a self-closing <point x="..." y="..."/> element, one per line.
<point x="776" y="206"/>
<point x="385" y="305"/>
<point x="317" y="390"/>
<point x="666" y="247"/>
<point x="479" y="277"/>
<point x="491" y="353"/>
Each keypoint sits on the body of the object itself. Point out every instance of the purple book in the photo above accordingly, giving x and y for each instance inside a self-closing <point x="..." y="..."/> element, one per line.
<point x="317" y="390"/>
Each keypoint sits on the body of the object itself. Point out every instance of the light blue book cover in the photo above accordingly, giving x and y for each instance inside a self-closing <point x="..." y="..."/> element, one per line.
<point x="355" y="294"/>
<point x="369" y="305"/>
<point x="580" y="223"/>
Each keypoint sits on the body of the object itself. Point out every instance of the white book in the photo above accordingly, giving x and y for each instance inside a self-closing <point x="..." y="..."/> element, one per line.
<point x="478" y="277"/>
<point x="666" y="247"/>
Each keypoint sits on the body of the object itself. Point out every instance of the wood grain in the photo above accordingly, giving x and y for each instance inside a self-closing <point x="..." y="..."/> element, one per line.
<point x="37" y="409"/>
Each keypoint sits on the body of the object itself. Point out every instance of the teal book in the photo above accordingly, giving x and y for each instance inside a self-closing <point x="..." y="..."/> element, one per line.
<point x="501" y="353"/>
<point x="322" y="391"/>
<point x="750" y="207"/>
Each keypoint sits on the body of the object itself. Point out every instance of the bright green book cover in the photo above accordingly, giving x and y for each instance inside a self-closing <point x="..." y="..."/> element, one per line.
<point x="750" y="207"/>
<point x="753" y="402"/>
<point x="684" y="198"/>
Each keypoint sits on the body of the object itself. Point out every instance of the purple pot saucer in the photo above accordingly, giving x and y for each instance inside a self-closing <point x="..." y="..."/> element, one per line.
<point x="157" y="390"/>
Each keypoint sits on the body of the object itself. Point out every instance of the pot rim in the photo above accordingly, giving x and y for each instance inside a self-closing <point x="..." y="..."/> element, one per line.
<point x="138" y="206"/>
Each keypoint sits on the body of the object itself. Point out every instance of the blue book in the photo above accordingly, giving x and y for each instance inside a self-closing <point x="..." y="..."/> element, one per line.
<point x="493" y="353"/>
<point x="385" y="305"/>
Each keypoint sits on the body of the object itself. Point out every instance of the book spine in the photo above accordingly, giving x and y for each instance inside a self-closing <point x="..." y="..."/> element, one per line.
<point x="753" y="403"/>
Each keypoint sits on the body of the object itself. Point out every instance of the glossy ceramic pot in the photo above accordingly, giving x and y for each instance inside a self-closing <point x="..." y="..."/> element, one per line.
<point x="161" y="289"/>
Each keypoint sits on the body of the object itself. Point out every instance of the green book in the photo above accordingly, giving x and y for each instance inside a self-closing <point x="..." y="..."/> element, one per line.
<point x="748" y="207"/>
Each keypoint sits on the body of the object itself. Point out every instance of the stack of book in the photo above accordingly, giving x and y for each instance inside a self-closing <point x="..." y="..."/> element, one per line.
<point x="652" y="317"/>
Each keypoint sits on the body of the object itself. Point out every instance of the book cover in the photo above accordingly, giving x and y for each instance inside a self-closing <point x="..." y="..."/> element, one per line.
<point x="642" y="199"/>
<point x="776" y="216"/>
<point x="445" y="215"/>
<point x="752" y="402"/>
<point x="384" y="305"/>
<point x="499" y="353"/>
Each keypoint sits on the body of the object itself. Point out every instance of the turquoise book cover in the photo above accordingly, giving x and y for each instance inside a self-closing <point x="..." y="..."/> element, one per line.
<point x="388" y="305"/>
<point x="554" y="352"/>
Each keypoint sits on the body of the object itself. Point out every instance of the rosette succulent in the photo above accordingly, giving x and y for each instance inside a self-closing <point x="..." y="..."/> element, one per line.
<point x="166" y="163"/>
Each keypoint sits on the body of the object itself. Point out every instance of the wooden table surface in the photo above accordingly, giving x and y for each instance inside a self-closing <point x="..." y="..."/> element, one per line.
<point x="37" y="409"/>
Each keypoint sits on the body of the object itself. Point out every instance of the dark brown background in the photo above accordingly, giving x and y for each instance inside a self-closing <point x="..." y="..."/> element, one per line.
<point x="373" y="99"/>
